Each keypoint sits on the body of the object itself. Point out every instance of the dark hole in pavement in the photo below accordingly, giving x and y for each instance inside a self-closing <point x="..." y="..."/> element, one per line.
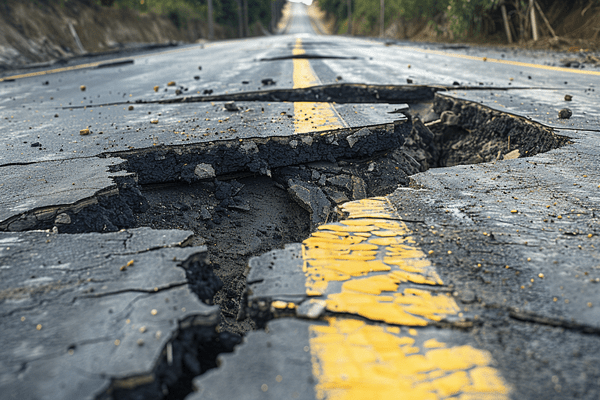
<point x="309" y="57"/>
<point x="192" y="352"/>
<point x="456" y="132"/>
<point x="236" y="219"/>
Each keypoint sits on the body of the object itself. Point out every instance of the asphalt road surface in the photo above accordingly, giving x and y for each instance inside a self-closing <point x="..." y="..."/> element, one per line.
<point x="301" y="216"/>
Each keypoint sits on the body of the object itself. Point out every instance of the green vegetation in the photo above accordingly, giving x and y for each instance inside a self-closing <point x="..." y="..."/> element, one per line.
<point x="225" y="12"/>
<point x="464" y="17"/>
<point x="179" y="11"/>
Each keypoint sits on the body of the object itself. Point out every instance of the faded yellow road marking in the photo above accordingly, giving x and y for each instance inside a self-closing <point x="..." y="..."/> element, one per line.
<point x="353" y="361"/>
<point x="373" y="253"/>
<point x="507" y="62"/>
<point x="89" y="65"/>
<point x="311" y="117"/>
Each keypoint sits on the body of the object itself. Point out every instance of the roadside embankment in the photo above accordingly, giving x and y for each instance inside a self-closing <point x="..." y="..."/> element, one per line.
<point x="35" y="32"/>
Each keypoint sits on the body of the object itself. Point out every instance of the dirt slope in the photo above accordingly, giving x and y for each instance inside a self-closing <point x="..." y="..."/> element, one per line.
<point x="31" y="33"/>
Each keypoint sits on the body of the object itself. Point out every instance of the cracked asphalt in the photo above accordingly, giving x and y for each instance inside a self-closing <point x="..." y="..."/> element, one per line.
<point x="301" y="216"/>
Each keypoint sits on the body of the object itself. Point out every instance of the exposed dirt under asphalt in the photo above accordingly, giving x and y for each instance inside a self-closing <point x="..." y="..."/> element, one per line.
<point x="245" y="214"/>
<point x="243" y="198"/>
<point x="236" y="219"/>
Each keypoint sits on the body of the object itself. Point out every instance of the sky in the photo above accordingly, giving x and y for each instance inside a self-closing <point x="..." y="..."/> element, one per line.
<point x="307" y="2"/>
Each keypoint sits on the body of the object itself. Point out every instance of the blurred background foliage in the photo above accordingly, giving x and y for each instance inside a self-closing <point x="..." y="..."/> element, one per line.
<point x="464" y="17"/>
<point x="182" y="11"/>
<point x="458" y="19"/>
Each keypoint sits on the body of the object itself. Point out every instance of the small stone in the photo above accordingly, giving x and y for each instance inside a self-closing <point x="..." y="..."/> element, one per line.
<point x="268" y="81"/>
<point x="156" y="88"/>
<point x="449" y="118"/>
<point x="565" y="113"/>
<point x="197" y="77"/>
<point x="204" y="171"/>
<point x="512" y="155"/>
<point x="568" y="97"/>
<point x="311" y="309"/>
<point x="355" y="137"/>
<point x="82" y="88"/>
<point x="62" y="219"/>
<point x="84" y="132"/>
<point x="177" y="92"/>
<point x="231" y="106"/>
<point x="408" y="80"/>
<point x="359" y="188"/>
<point x="130" y="108"/>
<point x="172" y="83"/>
<point x="205" y="214"/>
<point x="154" y="121"/>
<point x="467" y="296"/>
<point x="140" y="342"/>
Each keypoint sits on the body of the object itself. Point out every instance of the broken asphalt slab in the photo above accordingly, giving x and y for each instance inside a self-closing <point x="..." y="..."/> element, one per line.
<point x="74" y="195"/>
<point x="56" y="135"/>
<point x="271" y="365"/>
<point x="90" y="313"/>
<point x="541" y="105"/>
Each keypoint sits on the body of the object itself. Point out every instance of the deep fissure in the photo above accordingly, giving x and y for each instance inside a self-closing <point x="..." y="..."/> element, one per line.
<point x="244" y="198"/>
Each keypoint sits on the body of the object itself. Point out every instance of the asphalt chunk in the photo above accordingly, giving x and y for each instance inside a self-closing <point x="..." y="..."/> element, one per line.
<point x="95" y="199"/>
<point x="565" y="113"/>
<point x="80" y="311"/>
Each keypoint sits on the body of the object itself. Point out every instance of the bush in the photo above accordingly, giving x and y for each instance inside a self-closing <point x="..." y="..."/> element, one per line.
<point x="464" y="16"/>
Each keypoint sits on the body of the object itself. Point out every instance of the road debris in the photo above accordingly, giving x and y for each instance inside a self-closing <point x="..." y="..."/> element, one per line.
<point x="231" y="106"/>
<point x="565" y="113"/>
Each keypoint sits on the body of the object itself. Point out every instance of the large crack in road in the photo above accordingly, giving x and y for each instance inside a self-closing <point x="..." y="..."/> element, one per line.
<point x="241" y="198"/>
<point x="299" y="217"/>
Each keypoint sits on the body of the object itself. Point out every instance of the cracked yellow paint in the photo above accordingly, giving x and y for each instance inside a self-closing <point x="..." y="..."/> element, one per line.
<point x="358" y="247"/>
<point x="311" y="117"/>
<point x="355" y="360"/>
<point x="373" y="254"/>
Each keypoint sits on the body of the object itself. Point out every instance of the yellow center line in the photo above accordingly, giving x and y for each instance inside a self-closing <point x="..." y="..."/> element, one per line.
<point x="373" y="253"/>
<point x="310" y="116"/>
<point x="506" y="62"/>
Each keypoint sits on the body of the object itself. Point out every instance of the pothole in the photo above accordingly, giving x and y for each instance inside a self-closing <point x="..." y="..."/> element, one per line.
<point x="236" y="219"/>
<point x="457" y="132"/>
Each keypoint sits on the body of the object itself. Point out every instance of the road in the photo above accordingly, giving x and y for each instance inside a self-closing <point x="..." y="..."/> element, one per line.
<point x="301" y="216"/>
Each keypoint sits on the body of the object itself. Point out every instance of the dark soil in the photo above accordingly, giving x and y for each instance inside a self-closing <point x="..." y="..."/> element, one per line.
<point x="236" y="219"/>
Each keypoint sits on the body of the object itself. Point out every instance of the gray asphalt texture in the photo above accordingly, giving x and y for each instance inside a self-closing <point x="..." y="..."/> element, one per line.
<point x="523" y="233"/>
